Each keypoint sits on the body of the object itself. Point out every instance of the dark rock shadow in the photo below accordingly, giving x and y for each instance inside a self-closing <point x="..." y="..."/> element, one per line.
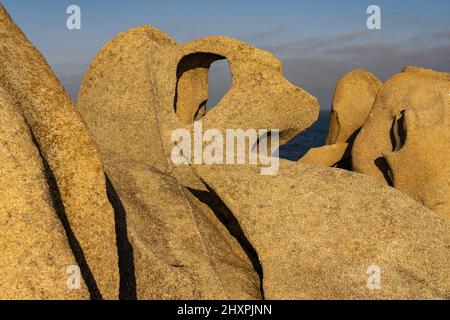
<point x="128" y="289"/>
<point x="226" y="217"/>
<point x="58" y="205"/>
<point x="382" y="164"/>
<point x="397" y="133"/>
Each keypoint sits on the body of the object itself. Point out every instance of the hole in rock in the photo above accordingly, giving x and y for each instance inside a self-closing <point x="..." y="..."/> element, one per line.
<point x="193" y="88"/>
<point x="398" y="132"/>
<point x="219" y="81"/>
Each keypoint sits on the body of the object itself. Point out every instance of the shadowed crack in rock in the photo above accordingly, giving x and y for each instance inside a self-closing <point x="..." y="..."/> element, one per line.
<point x="58" y="205"/>
<point x="227" y="218"/>
<point x="127" y="272"/>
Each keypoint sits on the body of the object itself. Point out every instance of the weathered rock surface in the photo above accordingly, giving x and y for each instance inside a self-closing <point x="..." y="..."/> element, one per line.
<point x="326" y="156"/>
<point x="405" y="140"/>
<point x="353" y="99"/>
<point x="35" y="252"/>
<point x="317" y="231"/>
<point x="67" y="147"/>
<point x="180" y="248"/>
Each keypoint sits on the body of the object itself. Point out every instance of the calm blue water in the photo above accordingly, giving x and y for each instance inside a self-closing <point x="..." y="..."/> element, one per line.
<point x="311" y="138"/>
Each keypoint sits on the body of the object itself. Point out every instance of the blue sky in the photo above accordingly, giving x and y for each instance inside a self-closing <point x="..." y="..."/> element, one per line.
<point x="317" y="41"/>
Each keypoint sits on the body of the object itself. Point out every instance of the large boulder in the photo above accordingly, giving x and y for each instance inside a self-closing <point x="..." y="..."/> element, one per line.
<point x="71" y="154"/>
<point x="179" y="247"/>
<point x="405" y="141"/>
<point x="353" y="99"/>
<point x="35" y="252"/>
<point x="319" y="231"/>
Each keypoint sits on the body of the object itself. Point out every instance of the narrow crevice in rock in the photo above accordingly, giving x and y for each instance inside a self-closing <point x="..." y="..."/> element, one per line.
<point x="398" y="132"/>
<point x="125" y="250"/>
<point x="227" y="218"/>
<point x="58" y="205"/>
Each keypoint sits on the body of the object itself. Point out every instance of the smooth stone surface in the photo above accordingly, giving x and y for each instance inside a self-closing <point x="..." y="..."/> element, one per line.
<point x="318" y="230"/>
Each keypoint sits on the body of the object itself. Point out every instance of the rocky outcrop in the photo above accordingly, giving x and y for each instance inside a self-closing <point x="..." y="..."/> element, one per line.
<point x="320" y="244"/>
<point x="35" y="253"/>
<point x="72" y="157"/>
<point x="150" y="229"/>
<point x="179" y="247"/>
<point x="326" y="156"/>
<point x="132" y="122"/>
<point x="405" y="140"/>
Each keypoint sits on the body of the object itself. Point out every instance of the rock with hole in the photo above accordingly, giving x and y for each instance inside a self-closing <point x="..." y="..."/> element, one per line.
<point x="353" y="99"/>
<point x="406" y="138"/>
<point x="142" y="86"/>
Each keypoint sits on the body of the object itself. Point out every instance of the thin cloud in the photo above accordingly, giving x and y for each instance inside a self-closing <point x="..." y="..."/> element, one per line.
<point x="266" y="34"/>
<point x="364" y="49"/>
<point x="309" y="45"/>
<point x="319" y="74"/>
<point x="443" y="34"/>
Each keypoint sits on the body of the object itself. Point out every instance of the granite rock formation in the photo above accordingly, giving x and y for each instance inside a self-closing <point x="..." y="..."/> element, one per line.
<point x="95" y="184"/>
<point x="66" y="146"/>
<point x="353" y="99"/>
<point x="326" y="156"/>
<point x="35" y="253"/>
<point x="180" y="249"/>
<point x="404" y="142"/>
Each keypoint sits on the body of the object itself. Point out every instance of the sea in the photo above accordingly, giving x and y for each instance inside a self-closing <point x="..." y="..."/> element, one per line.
<point x="313" y="137"/>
